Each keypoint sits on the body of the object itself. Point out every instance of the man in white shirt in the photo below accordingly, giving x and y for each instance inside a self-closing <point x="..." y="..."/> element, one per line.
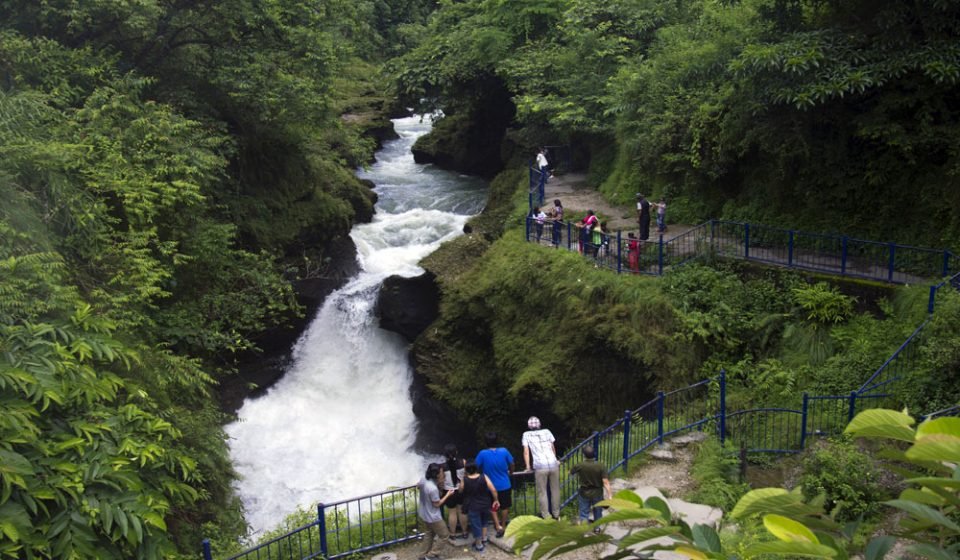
<point x="538" y="444"/>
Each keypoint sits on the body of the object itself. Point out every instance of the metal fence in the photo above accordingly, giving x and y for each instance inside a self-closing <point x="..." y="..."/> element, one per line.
<point x="825" y="253"/>
<point x="386" y="518"/>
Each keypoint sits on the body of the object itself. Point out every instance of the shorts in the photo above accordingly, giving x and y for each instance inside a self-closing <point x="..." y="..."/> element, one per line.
<point x="455" y="500"/>
<point x="506" y="498"/>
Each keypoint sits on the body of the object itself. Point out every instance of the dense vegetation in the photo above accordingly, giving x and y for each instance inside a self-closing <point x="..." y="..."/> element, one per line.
<point x="166" y="170"/>
<point x="769" y="110"/>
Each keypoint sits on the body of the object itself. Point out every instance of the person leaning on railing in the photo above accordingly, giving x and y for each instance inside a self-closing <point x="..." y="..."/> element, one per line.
<point x="538" y="445"/>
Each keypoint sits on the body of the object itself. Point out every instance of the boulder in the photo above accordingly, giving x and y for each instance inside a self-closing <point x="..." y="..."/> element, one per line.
<point x="407" y="306"/>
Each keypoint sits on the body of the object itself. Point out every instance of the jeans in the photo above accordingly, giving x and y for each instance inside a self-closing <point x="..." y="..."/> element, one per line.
<point x="551" y="478"/>
<point x="661" y="222"/>
<point x="478" y="520"/>
<point x="585" y="505"/>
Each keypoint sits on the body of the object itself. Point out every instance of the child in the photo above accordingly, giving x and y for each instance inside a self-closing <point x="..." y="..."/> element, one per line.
<point x="633" y="252"/>
<point x="662" y="216"/>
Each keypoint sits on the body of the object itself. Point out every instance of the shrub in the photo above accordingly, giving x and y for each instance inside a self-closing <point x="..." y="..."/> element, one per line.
<point x="846" y="476"/>
<point x="716" y="470"/>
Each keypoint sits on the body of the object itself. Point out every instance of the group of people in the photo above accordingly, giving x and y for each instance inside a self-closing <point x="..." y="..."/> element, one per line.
<point x="480" y="492"/>
<point x="593" y="236"/>
<point x="554" y="216"/>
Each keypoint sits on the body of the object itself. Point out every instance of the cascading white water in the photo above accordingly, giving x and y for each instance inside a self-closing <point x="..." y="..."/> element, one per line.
<point x="340" y="422"/>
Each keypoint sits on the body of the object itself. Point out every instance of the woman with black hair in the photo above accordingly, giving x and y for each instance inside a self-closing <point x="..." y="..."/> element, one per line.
<point x="429" y="510"/>
<point x="453" y="474"/>
<point x="479" y="498"/>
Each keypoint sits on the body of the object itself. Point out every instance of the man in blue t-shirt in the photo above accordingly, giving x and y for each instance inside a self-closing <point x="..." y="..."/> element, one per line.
<point x="497" y="464"/>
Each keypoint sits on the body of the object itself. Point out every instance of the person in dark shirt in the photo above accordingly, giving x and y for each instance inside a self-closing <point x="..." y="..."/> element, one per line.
<point x="643" y="216"/>
<point x="594" y="484"/>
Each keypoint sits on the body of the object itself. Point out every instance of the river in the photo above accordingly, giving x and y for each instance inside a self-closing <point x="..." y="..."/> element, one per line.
<point x="340" y="421"/>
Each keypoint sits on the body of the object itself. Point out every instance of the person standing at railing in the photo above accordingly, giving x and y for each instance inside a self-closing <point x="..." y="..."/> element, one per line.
<point x="539" y="218"/>
<point x="429" y="511"/>
<point x="497" y="464"/>
<point x="643" y="216"/>
<point x="586" y="226"/>
<point x="542" y="164"/>
<point x="480" y="499"/>
<point x="633" y="252"/>
<point x="453" y="473"/>
<point x="538" y="445"/>
<point x="594" y="484"/>
<point x="661" y="216"/>
<point x="557" y="221"/>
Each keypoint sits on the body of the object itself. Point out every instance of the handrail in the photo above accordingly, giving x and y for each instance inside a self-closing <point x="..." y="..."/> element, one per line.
<point x="826" y="253"/>
<point x="635" y="429"/>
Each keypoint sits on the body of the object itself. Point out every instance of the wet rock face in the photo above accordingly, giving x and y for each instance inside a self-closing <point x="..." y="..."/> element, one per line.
<point x="407" y="306"/>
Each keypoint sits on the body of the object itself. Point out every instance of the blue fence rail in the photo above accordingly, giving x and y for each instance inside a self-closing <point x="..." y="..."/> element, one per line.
<point x="387" y="518"/>
<point x="831" y="254"/>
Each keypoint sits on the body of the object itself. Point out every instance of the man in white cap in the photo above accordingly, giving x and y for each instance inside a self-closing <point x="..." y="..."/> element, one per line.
<point x="539" y="443"/>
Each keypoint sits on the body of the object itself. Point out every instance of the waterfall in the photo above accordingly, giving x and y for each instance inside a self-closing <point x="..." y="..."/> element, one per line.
<point x="340" y="421"/>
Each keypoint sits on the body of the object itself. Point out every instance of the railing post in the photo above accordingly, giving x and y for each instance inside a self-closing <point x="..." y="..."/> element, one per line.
<point x="596" y="445"/>
<point x="207" y="554"/>
<point x="843" y="256"/>
<point x="746" y="241"/>
<point x="946" y="263"/>
<point x="660" y="399"/>
<point x="322" y="525"/>
<point x="713" y="234"/>
<point x="723" y="406"/>
<point x="569" y="231"/>
<point x="660" y="257"/>
<point x="543" y="182"/>
<point x="932" y="299"/>
<point x="803" y="420"/>
<point x="790" y="250"/>
<point x="627" y="418"/>
<point x="619" y="251"/>
<point x="526" y="233"/>
<point x="893" y="257"/>
<point x="853" y="406"/>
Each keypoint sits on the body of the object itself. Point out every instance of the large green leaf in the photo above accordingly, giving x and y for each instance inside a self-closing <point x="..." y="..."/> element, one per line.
<point x="924" y="513"/>
<point x="772" y="500"/>
<point x="789" y="530"/>
<point x="936" y="447"/>
<point x="706" y="538"/>
<point x="878" y="547"/>
<point x="946" y="425"/>
<point x="794" y="548"/>
<point x="649" y="533"/>
<point x="882" y="423"/>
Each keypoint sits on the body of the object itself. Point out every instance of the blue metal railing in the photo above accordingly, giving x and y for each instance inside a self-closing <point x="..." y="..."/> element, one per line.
<point x="831" y="254"/>
<point x="387" y="518"/>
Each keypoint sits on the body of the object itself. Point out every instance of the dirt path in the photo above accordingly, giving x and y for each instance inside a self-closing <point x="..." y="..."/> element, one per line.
<point x="578" y="196"/>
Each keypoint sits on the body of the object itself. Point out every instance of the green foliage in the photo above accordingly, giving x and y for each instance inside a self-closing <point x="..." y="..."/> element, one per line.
<point x="88" y="469"/>
<point x="931" y="384"/>
<point x="823" y="304"/>
<point x="157" y="161"/>
<point x="497" y="315"/>
<point x="847" y="478"/>
<point x="716" y="470"/>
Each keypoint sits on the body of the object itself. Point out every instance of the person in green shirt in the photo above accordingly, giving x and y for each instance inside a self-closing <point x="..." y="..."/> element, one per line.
<point x="594" y="484"/>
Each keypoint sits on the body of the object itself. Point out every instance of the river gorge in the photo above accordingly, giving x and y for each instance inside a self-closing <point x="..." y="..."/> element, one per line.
<point x="340" y="421"/>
